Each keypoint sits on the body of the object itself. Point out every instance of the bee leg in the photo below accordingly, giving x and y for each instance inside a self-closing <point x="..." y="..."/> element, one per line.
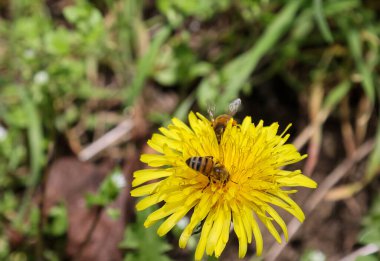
<point x="198" y="228"/>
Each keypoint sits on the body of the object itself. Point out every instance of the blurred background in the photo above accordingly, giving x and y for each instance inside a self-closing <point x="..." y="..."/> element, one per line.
<point x="84" y="84"/>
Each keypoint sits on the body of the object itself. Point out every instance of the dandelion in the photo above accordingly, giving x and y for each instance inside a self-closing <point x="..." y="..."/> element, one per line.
<point x="252" y="154"/>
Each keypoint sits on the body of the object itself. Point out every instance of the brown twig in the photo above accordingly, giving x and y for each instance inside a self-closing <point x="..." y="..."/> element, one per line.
<point x="316" y="138"/>
<point x="363" y="251"/>
<point x="308" y="132"/>
<point x="337" y="174"/>
<point x="363" y="115"/>
<point x="106" y="140"/>
<point x="346" y="128"/>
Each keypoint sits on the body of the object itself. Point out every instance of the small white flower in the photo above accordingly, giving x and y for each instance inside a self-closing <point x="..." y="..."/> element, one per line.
<point x="3" y="133"/>
<point x="318" y="256"/>
<point x="41" y="77"/>
<point x="29" y="54"/>
<point x="119" y="180"/>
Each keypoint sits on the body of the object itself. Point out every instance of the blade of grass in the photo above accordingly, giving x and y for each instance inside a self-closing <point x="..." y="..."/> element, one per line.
<point x="321" y="20"/>
<point x="35" y="142"/>
<point x="338" y="7"/>
<point x="145" y="65"/>
<point x="355" y="46"/>
<point x="236" y="73"/>
<point x="34" y="138"/>
<point x="336" y="95"/>
<point x="373" y="167"/>
<point x="332" y="99"/>
<point x="372" y="170"/>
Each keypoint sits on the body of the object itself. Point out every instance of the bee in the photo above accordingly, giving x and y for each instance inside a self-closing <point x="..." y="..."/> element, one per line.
<point x="220" y="122"/>
<point x="212" y="170"/>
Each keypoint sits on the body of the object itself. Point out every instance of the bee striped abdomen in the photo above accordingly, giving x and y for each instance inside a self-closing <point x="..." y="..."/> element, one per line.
<point x="203" y="165"/>
<point x="214" y="171"/>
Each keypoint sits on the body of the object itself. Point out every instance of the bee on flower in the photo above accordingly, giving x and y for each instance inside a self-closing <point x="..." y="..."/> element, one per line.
<point x="235" y="178"/>
<point x="220" y="123"/>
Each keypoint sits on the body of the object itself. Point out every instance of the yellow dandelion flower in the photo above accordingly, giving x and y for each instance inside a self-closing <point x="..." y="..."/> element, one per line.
<point x="251" y="154"/>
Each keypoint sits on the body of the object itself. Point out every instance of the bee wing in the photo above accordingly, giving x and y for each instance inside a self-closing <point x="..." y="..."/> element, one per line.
<point x="234" y="106"/>
<point x="211" y="110"/>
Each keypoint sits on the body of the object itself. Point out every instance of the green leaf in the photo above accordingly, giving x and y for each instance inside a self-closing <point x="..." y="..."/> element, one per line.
<point x="108" y="191"/>
<point x="57" y="221"/>
<point x="373" y="167"/>
<point x="58" y="42"/>
<point x="321" y="20"/>
<point x="370" y="236"/>
<point x="144" y="242"/>
<point x="370" y="233"/>
<point x="113" y="213"/>
<point x="367" y="258"/>
<point x="84" y="16"/>
<point x="8" y="203"/>
<point x="4" y="247"/>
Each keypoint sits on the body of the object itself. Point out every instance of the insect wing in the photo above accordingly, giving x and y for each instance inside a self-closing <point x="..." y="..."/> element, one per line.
<point x="211" y="110"/>
<point x="234" y="106"/>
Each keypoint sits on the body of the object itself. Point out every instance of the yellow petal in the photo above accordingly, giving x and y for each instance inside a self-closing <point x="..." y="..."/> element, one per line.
<point x="204" y="236"/>
<point x="246" y="124"/>
<point x="162" y="212"/>
<point x="278" y="219"/>
<point x="221" y="244"/>
<point x="240" y="233"/>
<point x="155" y="160"/>
<point x="268" y="223"/>
<point x="246" y="215"/>
<point x="142" y="176"/>
<point x="297" y="180"/>
<point x="282" y="200"/>
<point x="148" y="201"/>
<point x="172" y="220"/>
<point x="169" y="133"/>
<point x="144" y="190"/>
<point x="181" y="125"/>
<point x="258" y="236"/>
<point x="200" y="212"/>
<point x="215" y="233"/>
<point x="158" y="141"/>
